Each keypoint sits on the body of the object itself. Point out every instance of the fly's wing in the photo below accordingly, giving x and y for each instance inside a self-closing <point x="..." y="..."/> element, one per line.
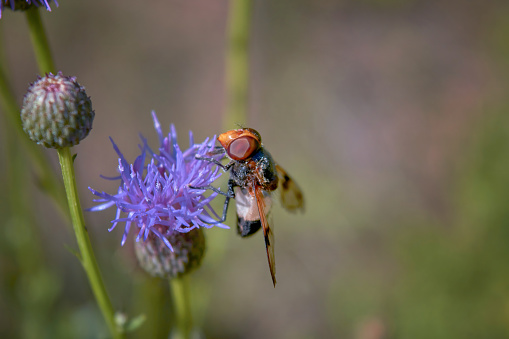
<point x="291" y="195"/>
<point x="267" y="231"/>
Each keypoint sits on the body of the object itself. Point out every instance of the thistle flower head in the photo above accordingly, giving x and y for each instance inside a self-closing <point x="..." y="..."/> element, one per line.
<point x="22" y="5"/>
<point x="56" y="111"/>
<point x="154" y="193"/>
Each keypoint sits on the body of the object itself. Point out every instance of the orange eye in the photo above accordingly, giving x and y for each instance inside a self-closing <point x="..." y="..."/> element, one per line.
<point x="242" y="148"/>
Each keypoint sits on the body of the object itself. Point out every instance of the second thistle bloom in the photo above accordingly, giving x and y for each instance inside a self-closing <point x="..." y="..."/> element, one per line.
<point x="154" y="194"/>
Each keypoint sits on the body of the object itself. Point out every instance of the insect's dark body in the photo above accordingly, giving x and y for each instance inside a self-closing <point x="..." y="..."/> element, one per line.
<point x="259" y="169"/>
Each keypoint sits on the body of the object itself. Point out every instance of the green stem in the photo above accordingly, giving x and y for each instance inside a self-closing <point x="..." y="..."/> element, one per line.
<point x="151" y="300"/>
<point x="181" y="306"/>
<point x="87" y="255"/>
<point x="237" y="94"/>
<point x="47" y="179"/>
<point x="237" y="63"/>
<point x="39" y="41"/>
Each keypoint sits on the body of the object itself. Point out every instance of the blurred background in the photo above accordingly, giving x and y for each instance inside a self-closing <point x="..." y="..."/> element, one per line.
<point x="392" y="115"/>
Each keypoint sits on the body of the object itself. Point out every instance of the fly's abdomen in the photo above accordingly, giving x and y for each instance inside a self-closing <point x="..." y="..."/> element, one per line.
<point x="248" y="216"/>
<point x="246" y="228"/>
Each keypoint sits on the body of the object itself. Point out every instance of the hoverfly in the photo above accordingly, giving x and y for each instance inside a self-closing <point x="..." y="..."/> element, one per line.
<point x="254" y="176"/>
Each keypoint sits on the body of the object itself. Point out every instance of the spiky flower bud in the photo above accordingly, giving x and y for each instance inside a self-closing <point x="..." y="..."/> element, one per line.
<point x="158" y="260"/>
<point x="23" y="5"/>
<point x="56" y="111"/>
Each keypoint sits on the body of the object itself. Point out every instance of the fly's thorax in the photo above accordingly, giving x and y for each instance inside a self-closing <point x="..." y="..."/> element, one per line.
<point x="265" y="169"/>
<point x="241" y="173"/>
<point x="259" y="169"/>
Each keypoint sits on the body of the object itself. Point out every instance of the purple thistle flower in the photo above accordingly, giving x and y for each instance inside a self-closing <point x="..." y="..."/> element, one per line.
<point x="25" y="4"/>
<point x="156" y="197"/>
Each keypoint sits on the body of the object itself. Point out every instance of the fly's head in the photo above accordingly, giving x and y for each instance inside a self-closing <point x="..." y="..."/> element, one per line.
<point x="240" y="144"/>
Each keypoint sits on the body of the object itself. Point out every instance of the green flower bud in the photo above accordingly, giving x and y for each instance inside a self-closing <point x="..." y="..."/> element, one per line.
<point x="158" y="260"/>
<point x="56" y="111"/>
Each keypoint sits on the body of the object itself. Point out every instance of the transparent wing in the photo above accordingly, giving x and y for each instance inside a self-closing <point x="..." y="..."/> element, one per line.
<point x="291" y="195"/>
<point x="267" y="232"/>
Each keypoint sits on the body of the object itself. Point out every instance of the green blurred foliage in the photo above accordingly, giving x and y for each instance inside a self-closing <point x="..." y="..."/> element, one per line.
<point x="454" y="276"/>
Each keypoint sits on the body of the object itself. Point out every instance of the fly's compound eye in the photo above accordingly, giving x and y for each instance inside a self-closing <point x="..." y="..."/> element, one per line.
<point x="242" y="148"/>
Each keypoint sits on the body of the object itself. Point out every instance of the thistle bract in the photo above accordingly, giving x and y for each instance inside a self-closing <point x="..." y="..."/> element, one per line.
<point x="56" y="111"/>
<point x="22" y="5"/>
<point x="159" y="261"/>
<point x="154" y="194"/>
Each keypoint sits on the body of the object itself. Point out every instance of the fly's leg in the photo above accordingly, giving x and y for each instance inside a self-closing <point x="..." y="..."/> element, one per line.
<point x="216" y="151"/>
<point x="225" y="168"/>
<point x="214" y="189"/>
<point x="229" y="195"/>
<point x="208" y="156"/>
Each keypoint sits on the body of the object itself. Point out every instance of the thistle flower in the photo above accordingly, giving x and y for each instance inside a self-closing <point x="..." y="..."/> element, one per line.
<point x="56" y="111"/>
<point x="157" y="199"/>
<point x="23" y="5"/>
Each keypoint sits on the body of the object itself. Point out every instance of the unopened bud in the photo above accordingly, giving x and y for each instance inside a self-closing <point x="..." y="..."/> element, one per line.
<point x="158" y="260"/>
<point x="56" y="111"/>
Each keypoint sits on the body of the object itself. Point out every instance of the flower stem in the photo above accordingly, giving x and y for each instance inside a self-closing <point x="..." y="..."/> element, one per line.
<point x="87" y="257"/>
<point x="151" y="301"/>
<point x="39" y="41"/>
<point x="181" y="306"/>
<point x="47" y="179"/>
<point x="237" y="63"/>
